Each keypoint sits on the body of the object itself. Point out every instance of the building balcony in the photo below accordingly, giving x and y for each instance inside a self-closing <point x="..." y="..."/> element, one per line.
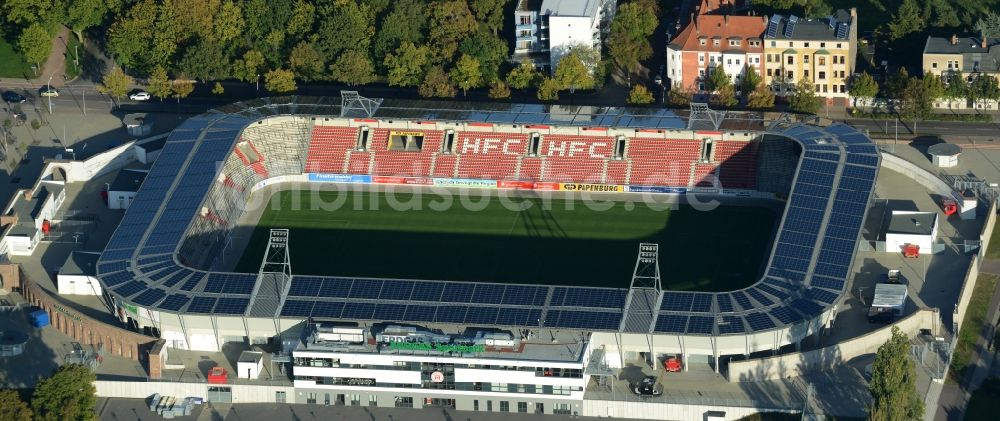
<point x="525" y="27"/>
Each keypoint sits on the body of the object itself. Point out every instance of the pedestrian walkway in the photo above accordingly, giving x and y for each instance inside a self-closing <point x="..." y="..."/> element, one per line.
<point x="54" y="67"/>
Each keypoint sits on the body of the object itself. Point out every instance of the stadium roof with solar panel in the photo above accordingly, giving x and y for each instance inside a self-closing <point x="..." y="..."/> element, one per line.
<point x="805" y="275"/>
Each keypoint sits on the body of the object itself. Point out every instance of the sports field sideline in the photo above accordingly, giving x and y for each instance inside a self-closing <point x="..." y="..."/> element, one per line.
<point x="556" y="241"/>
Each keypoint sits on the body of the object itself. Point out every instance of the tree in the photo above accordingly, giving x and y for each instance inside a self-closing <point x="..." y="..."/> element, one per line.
<point x="679" y="97"/>
<point x="25" y="12"/>
<point x="751" y="79"/>
<point x="353" y="68"/>
<point x="68" y="395"/>
<point x="344" y="26"/>
<point x="436" y="84"/>
<point x="248" y="68"/>
<point x="489" y="13"/>
<point x="803" y="98"/>
<point x="167" y="35"/>
<point x="905" y="21"/>
<point x="499" y="90"/>
<point x="228" y="24"/>
<point x="635" y="20"/>
<point x="306" y="62"/>
<point x="12" y="408"/>
<point x="84" y="14"/>
<point x="129" y="37"/>
<point x="725" y="97"/>
<point x="194" y="17"/>
<point x="205" y="60"/>
<point x="627" y="53"/>
<point x="863" y="87"/>
<point x="301" y="20"/>
<point x="761" y="97"/>
<point x="408" y="66"/>
<point x="116" y="83"/>
<point x="182" y="87"/>
<point x="893" y="385"/>
<point x="934" y="86"/>
<point x="718" y="79"/>
<point x="639" y="95"/>
<point x="524" y="76"/>
<point x="466" y="73"/>
<point x="405" y="23"/>
<point x="571" y="73"/>
<point x="35" y="44"/>
<point x="218" y="89"/>
<point x="490" y="50"/>
<point x="915" y="103"/>
<point x="984" y="88"/>
<point x="896" y="83"/>
<point x="280" y="81"/>
<point x="548" y="89"/>
<point x="158" y="84"/>
<point x="989" y="24"/>
<point x="451" y="21"/>
<point x="956" y="88"/>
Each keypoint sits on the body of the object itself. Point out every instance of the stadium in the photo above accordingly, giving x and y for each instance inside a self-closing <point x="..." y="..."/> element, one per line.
<point x="211" y="250"/>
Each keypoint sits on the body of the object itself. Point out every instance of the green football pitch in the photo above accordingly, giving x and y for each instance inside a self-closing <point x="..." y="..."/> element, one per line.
<point x="551" y="241"/>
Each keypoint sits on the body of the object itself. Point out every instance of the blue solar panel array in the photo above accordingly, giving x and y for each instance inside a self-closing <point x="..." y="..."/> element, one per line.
<point x="807" y="272"/>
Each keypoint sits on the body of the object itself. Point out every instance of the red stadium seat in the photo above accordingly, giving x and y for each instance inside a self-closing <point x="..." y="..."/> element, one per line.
<point x="491" y="156"/>
<point x="665" y="162"/>
<point x="738" y="163"/>
<point x="328" y="148"/>
<point x="578" y="159"/>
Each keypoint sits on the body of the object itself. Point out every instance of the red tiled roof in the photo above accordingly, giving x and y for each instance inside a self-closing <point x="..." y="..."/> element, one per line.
<point x="724" y="27"/>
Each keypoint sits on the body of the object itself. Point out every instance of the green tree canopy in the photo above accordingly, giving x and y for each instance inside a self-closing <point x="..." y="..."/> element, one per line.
<point x="12" y="408"/>
<point x="635" y="20"/>
<point x="896" y="83"/>
<point x="436" y="84"/>
<point x="159" y="84"/>
<point x="679" y="97"/>
<point x="548" y="89"/>
<point x="915" y="103"/>
<point x="280" y="81"/>
<point x="84" y="14"/>
<point x="25" y="12"/>
<point x="908" y="19"/>
<point x="466" y="73"/>
<point x="571" y="73"/>
<point x="761" y="98"/>
<point x="499" y="90"/>
<point x="344" y="26"/>
<point x="451" y="22"/>
<point x="803" y="98"/>
<point x="206" y="60"/>
<point x="863" y="87"/>
<point x="490" y="50"/>
<point x="300" y="23"/>
<point x="405" y="23"/>
<point x="408" y="65"/>
<point x="524" y="76"/>
<point x="718" y="79"/>
<point x="984" y="89"/>
<point x="627" y="52"/>
<point x="228" y="24"/>
<point x="116" y="83"/>
<point x="956" y="88"/>
<point x="218" y="89"/>
<point x="489" y="13"/>
<point x="893" y="385"/>
<point x="353" y="68"/>
<point x="725" y="96"/>
<point x="249" y="68"/>
<point x="68" y="395"/>
<point x="182" y="87"/>
<point x="306" y="61"/>
<point x="35" y="44"/>
<point x="751" y="79"/>
<point x="639" y="95"/>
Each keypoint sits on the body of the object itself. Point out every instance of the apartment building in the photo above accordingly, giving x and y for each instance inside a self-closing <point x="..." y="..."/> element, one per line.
<point x="711" y="40"/>
<point x="821" y="50"/>
<point x="545" y="30"/>
<point x="969" y="55"/>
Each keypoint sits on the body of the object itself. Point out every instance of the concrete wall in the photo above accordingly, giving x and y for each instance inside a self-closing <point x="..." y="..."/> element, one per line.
<point x="77" y="285"/>
<point x="799" y="363"/>
<point x="100" y="164"/>
<point x="925" y="178"/>
<point x="242" y="393"/>
<point x="968" y="286"/>
<point x="664" y="411"/>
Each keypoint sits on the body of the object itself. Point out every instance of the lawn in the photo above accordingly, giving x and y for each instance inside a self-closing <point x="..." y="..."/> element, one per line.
<point x="72" y="69"/>
<point x="985" y="402"/>
<point x="11" y="63"/>
<point x="563" y="243"/>
<point x="993" y="248"/>
<point x="973" y="324"/>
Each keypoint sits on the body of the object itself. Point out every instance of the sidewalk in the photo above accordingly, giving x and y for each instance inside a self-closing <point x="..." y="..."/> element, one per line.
<point x="54" y="67"/>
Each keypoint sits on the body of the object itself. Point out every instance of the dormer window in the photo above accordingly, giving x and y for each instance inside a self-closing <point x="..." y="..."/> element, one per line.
<point x="701" y="41"/>
<point x="715" y="42"/>
<point x="734" y="43"/>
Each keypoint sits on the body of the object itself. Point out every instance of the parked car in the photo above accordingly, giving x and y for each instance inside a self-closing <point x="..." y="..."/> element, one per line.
<point x="13" y="97"/>
<point x="139" y="96"/>
<point x="49" y="91"/>
<point x="648" y="386"/>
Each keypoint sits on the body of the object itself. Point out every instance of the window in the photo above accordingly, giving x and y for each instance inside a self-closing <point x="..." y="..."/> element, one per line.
<point x="791" y="60"/>
<point x="822" y="75"/>
<point x="701" y="86"/>
<point x="504" y="406"/>
<point x="790" y="75"/>
<point x="769" y="59"/>
<point x="524" y="45"/>
<point x="524" y="20"/>
<point x="805" y="73"/>
<point x="522" y="407"/>
<point x="711" y="59"/>
<point x="822" y="45"/>
<point x="806" y="45"/>
<point x="715" y="42"/>
<point x="355" y="400"/>
<point x="821" y="61"/>
<point x="561" y="409"/>
<point x="791" y="44"/>
<point x="372" y="400"/>
<point x="774" y="44"/>
<point x="489" y="406"/>
<point x="824" y="89"/>
<point x="817" y="88"/>
<point x="769" y="73"/>
<point x="729" y="61"/>
<point x="475" y="405"/>
<point x="805" y="59"/>
<point x="737" y="62"/>
<point x="701" y="72"/>
<point x="701" y="41"/>
<point x="701" y="58"/>
<point x="934" y="65"/>
<point x="311" y="397"/>
<point x="279" y="397"/>
<point x="404" y="402"/>
<point x="755" y="43"/>
<point x="734" y="43"/>
<point x="838" y="45"/>
<point x="524" y="33"/>
<point x="843" y="89"/>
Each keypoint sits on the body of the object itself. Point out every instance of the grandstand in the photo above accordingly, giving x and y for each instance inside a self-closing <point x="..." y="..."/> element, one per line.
<point x="160" y="259"/>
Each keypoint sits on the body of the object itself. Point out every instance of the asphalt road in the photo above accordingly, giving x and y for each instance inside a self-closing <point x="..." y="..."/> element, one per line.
<point x="927" y="128"/>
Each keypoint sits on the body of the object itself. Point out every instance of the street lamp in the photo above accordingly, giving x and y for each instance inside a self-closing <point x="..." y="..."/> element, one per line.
<point x="48" y="92"/>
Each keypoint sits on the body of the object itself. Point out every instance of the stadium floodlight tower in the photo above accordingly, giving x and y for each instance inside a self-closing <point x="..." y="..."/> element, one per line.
<point x="353" y="104"/>
<point x="644" y="294"/>
<point x="704" y="118"/>
<point x="273" y="279"/>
